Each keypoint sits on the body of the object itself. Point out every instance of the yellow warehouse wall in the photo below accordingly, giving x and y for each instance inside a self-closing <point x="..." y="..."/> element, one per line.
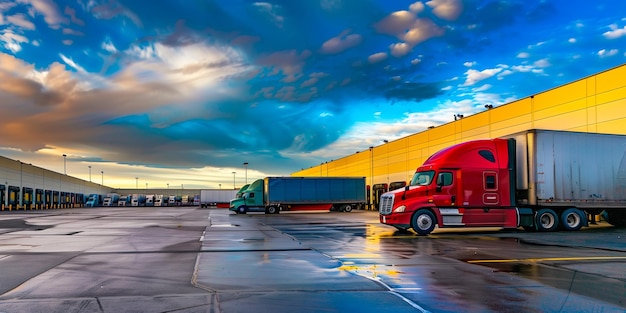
<point x="594" y="104"/>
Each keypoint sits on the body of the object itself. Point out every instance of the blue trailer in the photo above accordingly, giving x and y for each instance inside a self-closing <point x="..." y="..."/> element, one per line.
<point x="274" y="194"/>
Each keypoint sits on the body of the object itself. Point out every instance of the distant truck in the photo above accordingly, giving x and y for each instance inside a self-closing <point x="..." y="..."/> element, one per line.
<point x="274" y="194"/>
<point x="216" y="197"/>
<point x="125" y="200"/>
<point x="93" y="200"/>
<point x="138" y="200"/>
<point x="174" y="200"/>
<point x="160" y="200"/>
<point x="150" y="200"/>
<point x="111" y="199"/>
<point x="539" y="180"/>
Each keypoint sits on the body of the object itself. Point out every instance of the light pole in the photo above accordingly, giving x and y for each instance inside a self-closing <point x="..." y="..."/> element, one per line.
<point x="89" y="173"/>
<point x="136" y="182"/>
<point x="234" y="180"/>
<point x="64" y="164"/>
<point x="246" y="165"/>
<point x="102" y="173"/>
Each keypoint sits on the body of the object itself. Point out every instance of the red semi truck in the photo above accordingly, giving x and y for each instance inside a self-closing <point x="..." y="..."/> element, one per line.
<point x="538" y="179"/>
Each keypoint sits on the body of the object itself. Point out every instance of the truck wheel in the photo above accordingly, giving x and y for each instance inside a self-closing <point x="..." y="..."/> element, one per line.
<point x="347" y="208"/>
<point x="242" y="209"/>
<point x="546" y="220"/>
<point x="423" y="222"/>
<point x="572" y="219"/>
<point x="271" y="210"/>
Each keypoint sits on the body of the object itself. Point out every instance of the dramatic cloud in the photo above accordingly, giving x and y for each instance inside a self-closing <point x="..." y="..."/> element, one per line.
<point x="184" y="93"/>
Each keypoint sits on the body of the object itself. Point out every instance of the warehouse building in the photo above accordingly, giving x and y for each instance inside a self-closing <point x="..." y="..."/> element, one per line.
<point x="595" y="104"/>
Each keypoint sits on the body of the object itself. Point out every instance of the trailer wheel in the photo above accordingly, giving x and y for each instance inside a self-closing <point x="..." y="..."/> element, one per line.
<point x="347" y="208"/>
<point x="242" y="209"/>
<point x="271" y="210"/>
<point x="423" y="222"/>
<point x="546" y="220"/>
<point x="573" y="219"/>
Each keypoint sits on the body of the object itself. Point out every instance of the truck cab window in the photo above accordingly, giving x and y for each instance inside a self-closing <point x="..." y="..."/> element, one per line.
<point x="422" y="178"/>
<point x="487" y="155"/>
<point x="444" y="179"/>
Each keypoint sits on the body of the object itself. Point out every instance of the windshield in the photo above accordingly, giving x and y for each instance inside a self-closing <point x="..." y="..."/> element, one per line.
<point x="422" y="178"/>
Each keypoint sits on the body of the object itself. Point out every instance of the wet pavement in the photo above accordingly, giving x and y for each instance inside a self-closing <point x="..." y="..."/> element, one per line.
<point x="211" y="260"/>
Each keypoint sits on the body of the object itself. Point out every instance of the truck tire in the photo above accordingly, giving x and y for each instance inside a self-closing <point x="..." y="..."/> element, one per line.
<point x="423" y="222"/>
<point x="573" y="219"/>
<point x="271" y="210"/>
<point x="242" y="209"/>
<point x="546" y="220"/>
<point x="347" y="208"/>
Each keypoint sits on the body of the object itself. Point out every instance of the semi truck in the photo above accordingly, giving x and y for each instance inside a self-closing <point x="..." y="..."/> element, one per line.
<point x="111" y="199"/>
<point x="274" y="194"/>
<point x="138" y="200"/>
<point x="539" y="180"/>
<point x="125" y="200"/>
<point x="216" y="197"/>
<point x="160" y="200"/>
<point x="93" y="200"/>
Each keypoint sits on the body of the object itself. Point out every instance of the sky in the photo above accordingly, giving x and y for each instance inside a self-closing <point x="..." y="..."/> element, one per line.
<point x="185" y="92"/>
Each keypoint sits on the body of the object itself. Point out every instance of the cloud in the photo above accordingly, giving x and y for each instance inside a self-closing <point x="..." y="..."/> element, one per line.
<point x="474" y="76"/>
<point x="377" y="57"/>
<point x="272" y="11"/>
<point x="71" y="63"/>
<point x="615" y="32"/>
<point x="411" y="30"/>
<point x="12" y="41"/>
<point x="414" y="92"/>
<point x="342" y="42"/>
<point x="49" y="10"/>
<point x="112" y="9"/>
<point x="446" y="9"/>
<point x="607" y="53"/>
<point x="72" y="13"/>
<point x="287" y="63"/>
<point x="20" y="21"/>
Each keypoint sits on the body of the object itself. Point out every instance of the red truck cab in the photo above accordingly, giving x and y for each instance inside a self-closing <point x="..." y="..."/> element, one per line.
<point x="468" y="184"/>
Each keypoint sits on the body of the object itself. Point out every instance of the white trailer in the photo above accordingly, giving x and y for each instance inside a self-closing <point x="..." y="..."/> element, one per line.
<point x="216" y="197"/>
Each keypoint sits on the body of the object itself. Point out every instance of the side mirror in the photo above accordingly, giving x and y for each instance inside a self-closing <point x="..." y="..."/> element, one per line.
<point x="439" y="183"/>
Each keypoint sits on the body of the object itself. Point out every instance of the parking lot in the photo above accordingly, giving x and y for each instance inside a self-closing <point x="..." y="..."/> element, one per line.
<point x="189" y="259"/>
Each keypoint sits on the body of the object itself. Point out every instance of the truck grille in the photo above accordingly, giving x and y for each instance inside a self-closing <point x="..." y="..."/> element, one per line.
<point x="386" y="204"/>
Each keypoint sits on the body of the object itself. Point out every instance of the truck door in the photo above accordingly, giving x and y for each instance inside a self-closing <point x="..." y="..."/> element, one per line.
<point x="488" y="211"/>
<point x="446" y="194"/>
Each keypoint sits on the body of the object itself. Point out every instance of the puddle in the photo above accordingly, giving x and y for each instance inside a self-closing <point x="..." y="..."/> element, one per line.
<point x="21" y="224"/>
<point x="590" y="285"/>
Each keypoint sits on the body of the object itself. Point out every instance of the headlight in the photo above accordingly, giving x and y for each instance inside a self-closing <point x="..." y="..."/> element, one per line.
<point x="400" y="209"/>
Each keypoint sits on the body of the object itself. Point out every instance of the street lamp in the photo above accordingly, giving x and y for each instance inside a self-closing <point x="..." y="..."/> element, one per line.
<point x="64" y="164"/>
<point x="89" y="173"/>
<point x="136" y="182"/>
<point x="102" y="173"/>
<point x="246" y="165"/>
<point x="234" y="180"/>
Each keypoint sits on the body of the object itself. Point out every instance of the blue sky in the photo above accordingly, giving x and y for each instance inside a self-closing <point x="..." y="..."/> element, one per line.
<point x="184" y="92"/>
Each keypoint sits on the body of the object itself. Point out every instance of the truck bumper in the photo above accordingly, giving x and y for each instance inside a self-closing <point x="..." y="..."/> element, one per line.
<point x="400" y="220"/>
